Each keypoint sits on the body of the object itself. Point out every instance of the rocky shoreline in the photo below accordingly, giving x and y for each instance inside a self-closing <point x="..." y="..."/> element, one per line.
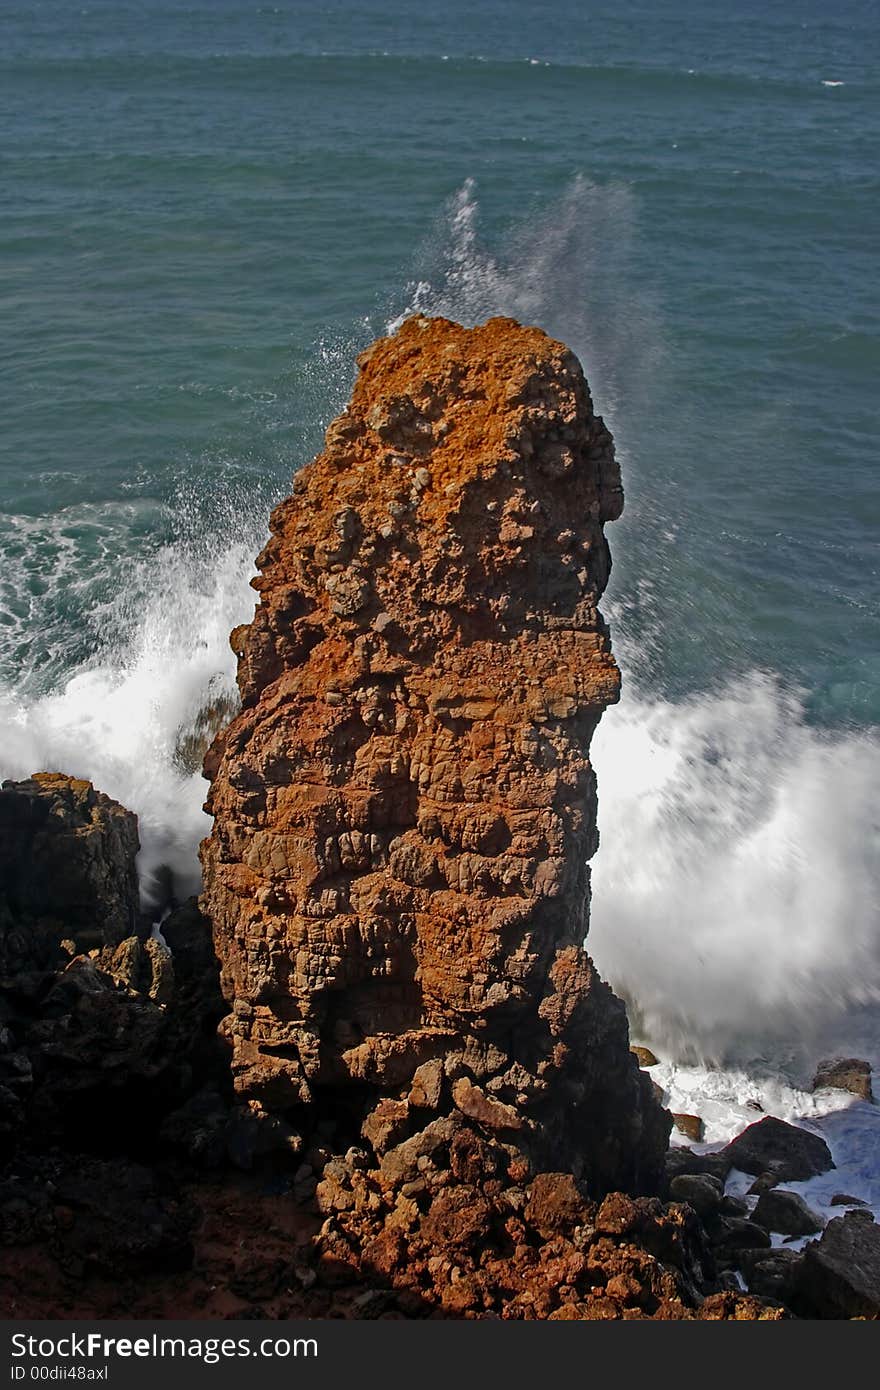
<point x="372" y="1072"/>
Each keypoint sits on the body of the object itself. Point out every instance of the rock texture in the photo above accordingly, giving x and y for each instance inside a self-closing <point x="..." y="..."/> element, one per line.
<point x="489" y="1248"/>
<point x="404" y="807"/>
<point x="101" y="1025"/>
<point x="840" y="1274"/>
<point x="786" y="1212"/>
<point x="784" y="1152"/>
<point x="67" y="870"/>
<point x="845" y="1074"/>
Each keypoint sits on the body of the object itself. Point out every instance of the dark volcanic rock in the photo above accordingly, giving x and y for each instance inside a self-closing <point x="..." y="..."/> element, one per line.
<point x="763" y="1183"/>
<point x="67" y="871"/>
<point x="736" y="1233"/>
<point x="702" y="1191"/>
<point x="840" y="1274"/>
<point x="787" y="1213"/>
<point x="772" y="1273"/>
<point x="102" y="1027"/>
<point x="684" y="1160"/>
<point x="109" y="1217"/>
<point x="789" y="1153"/>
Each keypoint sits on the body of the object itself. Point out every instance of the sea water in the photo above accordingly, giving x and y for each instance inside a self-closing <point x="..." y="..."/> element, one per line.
<point x="208" y="208"/>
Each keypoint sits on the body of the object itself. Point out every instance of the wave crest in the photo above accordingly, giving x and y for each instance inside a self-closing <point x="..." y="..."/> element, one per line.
<point x="735" y="888"/>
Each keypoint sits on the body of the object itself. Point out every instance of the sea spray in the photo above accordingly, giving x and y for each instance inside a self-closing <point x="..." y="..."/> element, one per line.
<point x="735" y="888"/>
<point x="120" y="718"/>
<point x="567" y="267"/>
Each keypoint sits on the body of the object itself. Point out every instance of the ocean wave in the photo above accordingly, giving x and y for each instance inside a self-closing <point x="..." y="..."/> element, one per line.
<point x="55" y="571"/>
<point x="346" y="64"/>
<point x="119" y="719"/>
<point x="735" y="890"/>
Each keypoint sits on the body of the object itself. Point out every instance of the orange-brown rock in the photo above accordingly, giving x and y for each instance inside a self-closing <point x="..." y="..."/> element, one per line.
<point x="404" y="807"/>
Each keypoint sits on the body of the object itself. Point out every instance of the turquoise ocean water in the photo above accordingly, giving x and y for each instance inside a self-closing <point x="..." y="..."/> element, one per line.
<point x="207" y="208"/>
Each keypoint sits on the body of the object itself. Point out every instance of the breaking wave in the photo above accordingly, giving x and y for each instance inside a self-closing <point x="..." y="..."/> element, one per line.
<point x="122" y="718"/>
<point x="735" y="889"/>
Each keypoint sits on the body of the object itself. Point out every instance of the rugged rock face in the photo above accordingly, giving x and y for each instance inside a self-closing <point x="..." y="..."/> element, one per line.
<point x="67" y="869"/>
<point x="404" y="807"/>
<point x="101" y="1026"/>
<point x="839" y="1276"/>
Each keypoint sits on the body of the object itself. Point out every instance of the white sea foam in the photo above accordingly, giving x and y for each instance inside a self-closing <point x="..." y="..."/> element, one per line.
<point x="735" y="888"/>
<point x="117" y="720"/>
<point x="728" y="1100"/>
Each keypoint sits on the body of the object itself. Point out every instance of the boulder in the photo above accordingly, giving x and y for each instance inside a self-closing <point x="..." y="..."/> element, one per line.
<point x="458" y="1217"/>
<point x="772" y="1273"/>
<point x="733" y="1234"/>
<point x="387" y="1124"/>
<point x="104" y="1028"/>
<point x="684" y="1160"/>
<point x="787" y="1213"/>
<point x="733" y="1206"/>
<point x="701" y="1191"/>
<point x="788" y="1152"/>
<point x="644" y="1056"/>
<point x="427" y="1085"/>
<point x="845" y="1074"/>
<point x="691" y="1126"/>
<point x="67" y="871"/>
<point x="840" y="1273"/>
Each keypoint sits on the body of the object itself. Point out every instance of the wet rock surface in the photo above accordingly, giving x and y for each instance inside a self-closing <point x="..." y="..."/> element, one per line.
<point x="787" y="1213"/>
<point x="786" y="1152"/>
<point x="701" y="1191"/>
<point x="67" y="871"/>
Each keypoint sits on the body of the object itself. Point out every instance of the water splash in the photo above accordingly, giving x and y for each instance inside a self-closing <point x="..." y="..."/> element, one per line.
<point x="568" y="266"/>
<point x="736" y="885"/>
<point x="119" y="718"/>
